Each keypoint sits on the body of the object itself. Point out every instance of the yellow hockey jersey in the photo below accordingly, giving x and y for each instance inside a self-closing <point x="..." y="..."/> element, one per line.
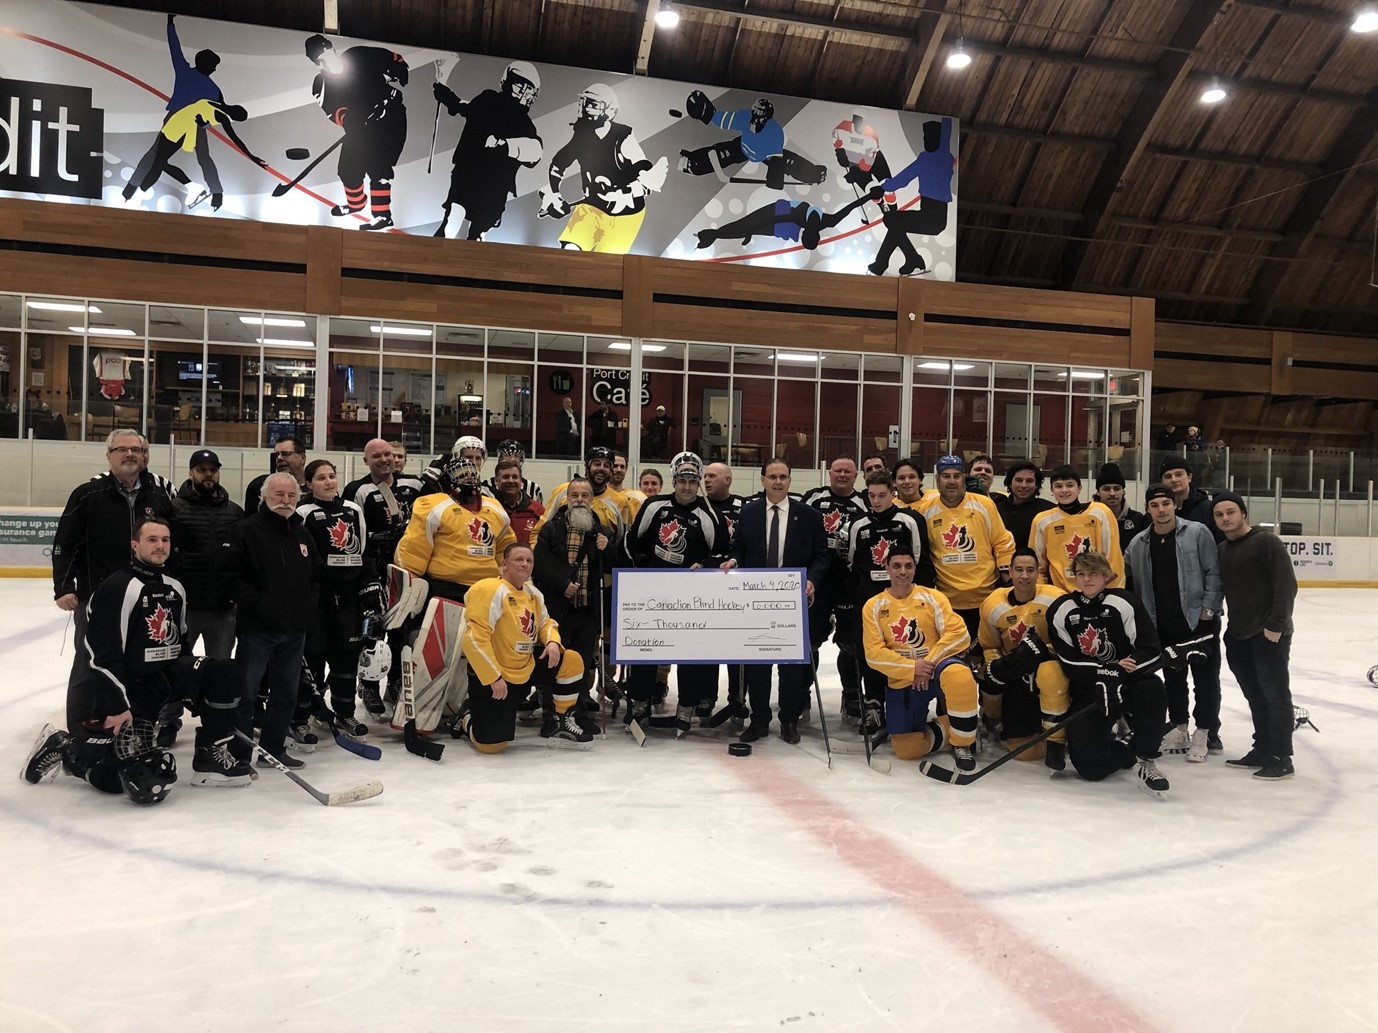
<point x="611" y="508"/>
<point x="453" y="543"/>
<point x="1004" y="619"/>
<point x="896" y="632"/>
<point x="1058" y="536"/>
<point x="505" y="628"/>
<point x="970" y="547"/>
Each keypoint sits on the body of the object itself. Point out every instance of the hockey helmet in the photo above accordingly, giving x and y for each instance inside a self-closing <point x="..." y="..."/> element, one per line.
<point x="762" y="111"/>
<point x="511" y="447"/>
<point x="375" y="662"/>
<point x="469" y="442"/>
<point x="598" y="103"/>
<point x="598" y="452"/>
<point x="686" y="464"/>
<point x="522" y="82"/>
<point x="146" y="772"/>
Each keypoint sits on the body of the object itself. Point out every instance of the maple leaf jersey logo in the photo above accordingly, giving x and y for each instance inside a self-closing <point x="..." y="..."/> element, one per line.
<point x="833" y="520"/>
<point x="480" y="532"/>
<point x="906" y="632"/>
<point x="526" y="620"/>
<point x="671" y="534"/>
<point x="160" y="625"/>
<point x="1017" y="633"/>
<point x="1092" y="643"/>
<point x="880" y="552"/>
<point x="1075" y="545"/>
<point x="341" y="535"/>
<point x="957" y="538"/>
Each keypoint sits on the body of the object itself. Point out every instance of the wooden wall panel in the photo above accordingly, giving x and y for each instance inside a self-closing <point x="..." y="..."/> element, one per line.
<point x="1197" y="376"/>
<point x="1213" y="340"/>
<point x="771" y="329"/>
<point x="1016" y="343"/>
<point x="473" y="260"/>
<point x="324" y="248"/>
<point x="480" y="306"/>
<point x="1040" y="306"/>
<point x="741" y="283"/>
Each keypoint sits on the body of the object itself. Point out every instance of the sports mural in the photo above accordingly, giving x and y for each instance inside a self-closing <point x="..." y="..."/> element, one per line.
<point x="133" y="109"/>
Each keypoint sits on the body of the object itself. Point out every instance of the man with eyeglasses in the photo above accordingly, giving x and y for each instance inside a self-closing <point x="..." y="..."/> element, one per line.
<point x="94" y="534"/>
<point x="289" y="456"/>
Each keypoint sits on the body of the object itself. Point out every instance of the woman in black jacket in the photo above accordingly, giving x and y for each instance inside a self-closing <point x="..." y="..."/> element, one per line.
<point x="333" y="637"/>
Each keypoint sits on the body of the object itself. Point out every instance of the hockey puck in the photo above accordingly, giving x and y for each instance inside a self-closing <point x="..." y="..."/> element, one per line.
<point x="298" y="153"/>
<point x="739" y="749"/>
<point x="676" y="113"/>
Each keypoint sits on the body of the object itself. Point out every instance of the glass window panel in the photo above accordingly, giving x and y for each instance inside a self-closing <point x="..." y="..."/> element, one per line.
<point x="753" y="362"/>
<point x="178" y="373"/>
<point x="16" y="403"/>
<point x="796" y="411"/>
<point x="971" y="422"/>
<point x="714" y="415"/>
<point x="1125" y="382"/>
<point x="231" y="416"/>
<point x="757" y="442"/>
<point x="11" y="311"/>
<point x="659" y="355"/>
<point x="1086" y="381"/>
<point x="464" y="341"/>
<point x="1050" y="429"/>
<point x="882" y="369"/>
<point x="1122" y="439"/>
<point x="356" y="392"/>
<point x="512" y="345"/>
<point x="880" y="410"/>
<point x="708" y="358"/>
<point x="115" y="320"/>
<point x="244" y="327"/>
<point x="797" y="364"/>
<point x="111" y="372"/>
<point x="287" y="401"/>
<point x="840" y="366"/>
<point x="176" y="324"/>
<point x="929" y="425"/>
<point x="837" y="423"/>
<point x="559" y="347"/>
<point x="60" y="315"/>
<point x="1050" y="378"/>
<point x="616" y="352"/>
<point x="508" y="401"/>
<point x="1009" y="436"/>
<point x="553" y="385"/>
<point x="970" y="374"/>
<point x="415" y="339"/>
<point x="933" y="372"/>
<point x="1012" y="376"/>
<point x="659" y="440"/>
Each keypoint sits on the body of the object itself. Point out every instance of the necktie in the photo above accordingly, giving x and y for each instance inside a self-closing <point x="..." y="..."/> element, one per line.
<point x="773" y="542"/>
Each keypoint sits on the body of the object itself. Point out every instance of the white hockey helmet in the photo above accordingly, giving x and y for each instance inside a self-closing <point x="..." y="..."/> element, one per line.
<point x="598" y="103"/>
<point x="468" y="442"/>
<point x="686" y="464"/>
<point x="375" y="662"/>
<point x="521" y="80"/>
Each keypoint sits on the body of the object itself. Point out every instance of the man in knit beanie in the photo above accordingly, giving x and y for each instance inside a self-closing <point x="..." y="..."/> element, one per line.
<point x="1110" y="493"/>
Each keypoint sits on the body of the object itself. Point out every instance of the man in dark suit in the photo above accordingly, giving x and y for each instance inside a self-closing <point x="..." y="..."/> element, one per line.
<point x="778" y="531"/>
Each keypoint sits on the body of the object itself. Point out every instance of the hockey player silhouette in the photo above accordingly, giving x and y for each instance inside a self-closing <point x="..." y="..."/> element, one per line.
<point x="192" y="85"/>
<point x="616" y="177"/>
<point x="856" y="146"/>
<point x="498" y="138"/>
<point x="360" y="91"/>
<point x="796" y="222"/>
<point x="760" y="138"/>
<point x="932" y="168"/>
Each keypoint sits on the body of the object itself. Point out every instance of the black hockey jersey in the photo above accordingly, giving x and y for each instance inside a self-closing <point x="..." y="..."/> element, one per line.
<point x="838" y="513"/>
<point x="385" y="520"/>
<point x="1092" y="633"/>
<point x="603" y="166"/>
<point x="667" y="534"/>
<point x="340" y="535"/>
<point x="729" y="512"/>
<point x="135" y="628"/>
<point x="869" y="541"/>
<point x="365" y="89"/>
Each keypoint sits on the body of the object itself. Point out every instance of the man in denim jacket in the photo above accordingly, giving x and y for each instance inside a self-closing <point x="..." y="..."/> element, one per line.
<point x="1175" y="568"/>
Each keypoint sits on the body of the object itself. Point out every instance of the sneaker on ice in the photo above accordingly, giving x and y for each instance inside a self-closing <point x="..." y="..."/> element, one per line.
<point x="1176" y="740"/>
<point x="1200" y="746"/>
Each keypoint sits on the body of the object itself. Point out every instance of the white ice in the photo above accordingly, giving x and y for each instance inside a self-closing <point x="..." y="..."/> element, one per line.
<point x="675" y="888"/>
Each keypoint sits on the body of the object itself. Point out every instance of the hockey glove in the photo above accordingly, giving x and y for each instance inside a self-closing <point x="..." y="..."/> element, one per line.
<point x="1005" y="671"/>
<point x="700" y="107"/>
<point x="1179" y="656"/>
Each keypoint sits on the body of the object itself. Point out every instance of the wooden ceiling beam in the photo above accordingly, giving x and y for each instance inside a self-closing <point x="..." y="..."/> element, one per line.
<point x="1315" y="14"/>
<point x="1337" y="171"/>
<point x="739" y="10"/>
<point x="648" y="33"/>
<point x="1134" y="134"/>
<point x="923" y="52"/>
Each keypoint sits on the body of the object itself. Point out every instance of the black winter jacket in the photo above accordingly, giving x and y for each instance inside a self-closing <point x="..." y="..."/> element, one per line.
<point x="201" y="526"/>
<point x="273" y="572"/>
<point x="96" y="527"/>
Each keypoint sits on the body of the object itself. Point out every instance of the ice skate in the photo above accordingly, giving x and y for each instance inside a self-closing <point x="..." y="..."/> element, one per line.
<point x="1151" y="780"/>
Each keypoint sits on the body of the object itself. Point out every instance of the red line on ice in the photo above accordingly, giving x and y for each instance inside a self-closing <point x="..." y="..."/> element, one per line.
<point x="1068" y="999"/>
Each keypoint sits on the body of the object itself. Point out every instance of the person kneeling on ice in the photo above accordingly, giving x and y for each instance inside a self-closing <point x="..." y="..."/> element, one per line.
<point x="1105" y="640"/>
<point x="136" y="626"/>
<point x="513" y="646"/>
<point x="914" y="637"/>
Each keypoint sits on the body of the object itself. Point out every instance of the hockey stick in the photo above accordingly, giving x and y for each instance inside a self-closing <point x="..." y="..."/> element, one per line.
<point x="366" y="791"/>
<point x="282" y="188"/>
<point x="963" y="778"/>
<point x="360" y="749"/>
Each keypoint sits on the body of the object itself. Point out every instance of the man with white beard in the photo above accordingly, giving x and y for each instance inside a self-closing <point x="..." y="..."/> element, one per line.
<point x="572" y="550"/>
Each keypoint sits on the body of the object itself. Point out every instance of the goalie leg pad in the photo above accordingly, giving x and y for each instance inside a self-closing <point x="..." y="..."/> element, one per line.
<point x="436" y="662"/>
<point x="406" y="597"/>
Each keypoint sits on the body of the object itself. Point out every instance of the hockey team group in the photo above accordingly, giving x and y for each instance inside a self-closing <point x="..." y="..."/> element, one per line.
<point x="443" y="603"/>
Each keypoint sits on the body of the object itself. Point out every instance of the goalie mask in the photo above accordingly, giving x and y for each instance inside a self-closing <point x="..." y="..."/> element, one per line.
<point x="686" y="465"/>
<point x="598" y="104"/>
<point x="146" y="772"/>
<point x="459" y="479"/>
<point x="521" y="82"/>
<point x="761" y="113"/>
<point x="375" y="662"/>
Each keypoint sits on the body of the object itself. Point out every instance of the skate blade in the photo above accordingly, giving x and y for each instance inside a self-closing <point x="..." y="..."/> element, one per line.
<point x="556" y="743"/>
<point x="1157" y="794"/>
<point x="220" y="782"/>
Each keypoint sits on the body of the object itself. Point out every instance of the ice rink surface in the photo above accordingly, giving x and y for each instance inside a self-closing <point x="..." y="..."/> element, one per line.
<point x="675" y="888"/>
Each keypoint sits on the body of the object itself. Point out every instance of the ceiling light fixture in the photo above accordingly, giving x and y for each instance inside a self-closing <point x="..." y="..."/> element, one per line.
<point x="795" y="357"/>
<point x="958" y="366"/>
<point x="626" y="346"/>
<point x="63" y="306"/>
<point x="667" y="17"/>
<point x="1214" y="93"/>
<point x="103" y="331"/>
<point x="959" y="58"/>
<point x="271" y="321"/>
<point x="1365" y="21"/>
<point x="285" y="342"/>
<point x="401" y="331"/>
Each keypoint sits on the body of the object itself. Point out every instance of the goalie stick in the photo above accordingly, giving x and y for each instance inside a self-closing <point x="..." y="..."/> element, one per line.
<point x="963" y="778"/>
<point x="366" y="791"/>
